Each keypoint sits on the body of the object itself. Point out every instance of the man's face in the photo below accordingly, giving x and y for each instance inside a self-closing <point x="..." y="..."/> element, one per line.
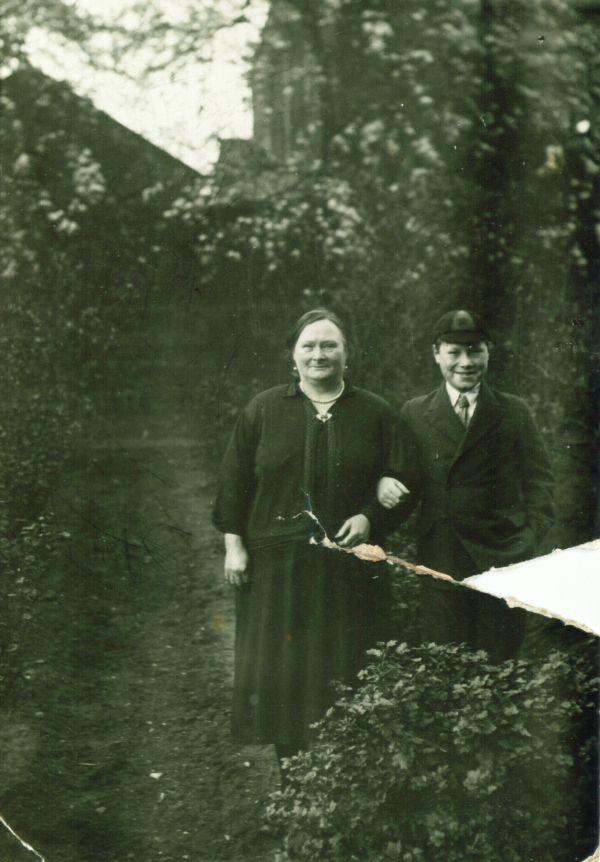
<point x="462" y="365"/>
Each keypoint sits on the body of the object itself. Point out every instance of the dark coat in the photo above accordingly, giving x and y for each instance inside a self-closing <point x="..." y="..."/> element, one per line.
<point x="270" y="472"/>
<point x="308" y="614"/>
<point x="485" y="494"/>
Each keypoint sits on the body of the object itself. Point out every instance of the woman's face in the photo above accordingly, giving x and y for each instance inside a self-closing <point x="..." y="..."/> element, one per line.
<point x="320" y="353"/>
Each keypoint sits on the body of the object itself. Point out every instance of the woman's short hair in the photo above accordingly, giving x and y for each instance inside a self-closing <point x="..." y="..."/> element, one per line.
<point x="311" y="317"/>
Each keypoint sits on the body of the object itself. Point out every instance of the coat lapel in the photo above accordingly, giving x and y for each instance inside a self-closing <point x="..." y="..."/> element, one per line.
<point x="441" y="414"/>
<point x="487" y="415"/>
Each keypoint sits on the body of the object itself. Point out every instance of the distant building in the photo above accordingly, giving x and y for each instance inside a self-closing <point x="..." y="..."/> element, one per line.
<point x="244" y="172"/>
<point x="284" y="82"/>
<point x="54" y="118"/>
<point x="83" y="175"/>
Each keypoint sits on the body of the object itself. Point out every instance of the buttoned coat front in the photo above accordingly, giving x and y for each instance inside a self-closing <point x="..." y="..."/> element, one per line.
<point x="308" y="614"/>
<point x="485" y="492"/>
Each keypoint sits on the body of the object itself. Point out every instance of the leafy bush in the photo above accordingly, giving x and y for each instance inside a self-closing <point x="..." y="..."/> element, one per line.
<point x="459" y="168"/>
<point x="67" y="297"/>
<point x="439" y="755"/>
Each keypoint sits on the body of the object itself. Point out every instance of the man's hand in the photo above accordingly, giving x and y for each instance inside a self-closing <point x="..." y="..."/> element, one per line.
<point x="236" y="561"/>
<point x="353" y="531"/>
<point x="390" y="492"/>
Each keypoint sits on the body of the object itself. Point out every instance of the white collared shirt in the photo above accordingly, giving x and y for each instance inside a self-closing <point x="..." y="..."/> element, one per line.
<point x="472" y="395"/>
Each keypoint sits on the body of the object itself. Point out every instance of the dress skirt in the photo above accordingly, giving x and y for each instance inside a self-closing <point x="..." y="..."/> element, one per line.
<point x="306" y="618"/>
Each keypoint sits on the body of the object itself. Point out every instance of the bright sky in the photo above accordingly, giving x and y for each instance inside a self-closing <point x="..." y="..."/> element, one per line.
<point x="183" y="113"/>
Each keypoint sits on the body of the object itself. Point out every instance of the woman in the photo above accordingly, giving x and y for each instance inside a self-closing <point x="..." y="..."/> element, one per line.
<point x="305" y="614"/>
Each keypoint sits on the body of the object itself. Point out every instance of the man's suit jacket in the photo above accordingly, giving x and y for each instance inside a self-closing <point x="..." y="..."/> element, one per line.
<point x="485" y="492"/>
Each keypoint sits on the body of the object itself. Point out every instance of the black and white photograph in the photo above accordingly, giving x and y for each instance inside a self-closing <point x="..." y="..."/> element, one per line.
<point x="299" y="511"/>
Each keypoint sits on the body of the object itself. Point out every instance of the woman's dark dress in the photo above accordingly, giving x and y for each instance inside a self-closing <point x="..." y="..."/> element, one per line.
<point x="309" y="613"/>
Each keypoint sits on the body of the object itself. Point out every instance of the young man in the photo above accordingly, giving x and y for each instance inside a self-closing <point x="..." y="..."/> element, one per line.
<point x="483" y="481"/>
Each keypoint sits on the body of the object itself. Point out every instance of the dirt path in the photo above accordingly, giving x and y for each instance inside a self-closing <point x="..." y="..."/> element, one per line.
<point x="128" y="703"/>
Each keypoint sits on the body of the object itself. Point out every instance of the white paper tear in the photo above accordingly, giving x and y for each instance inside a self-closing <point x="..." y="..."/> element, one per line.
<point x="21" y="841"/>
<point x="564" y="585"/>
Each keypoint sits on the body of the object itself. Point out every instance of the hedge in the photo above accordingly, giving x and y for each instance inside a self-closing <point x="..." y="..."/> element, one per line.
<point x="440" y="755"/>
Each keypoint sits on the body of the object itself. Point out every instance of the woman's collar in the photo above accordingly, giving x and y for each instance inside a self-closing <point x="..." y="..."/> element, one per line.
<point x="293" y="389"/>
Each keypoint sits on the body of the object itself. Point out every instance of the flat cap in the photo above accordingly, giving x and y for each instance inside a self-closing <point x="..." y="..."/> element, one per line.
<point x="460" y="327"/>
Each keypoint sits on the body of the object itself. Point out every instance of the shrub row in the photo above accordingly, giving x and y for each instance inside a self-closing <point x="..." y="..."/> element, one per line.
<point x="440" y="755"/>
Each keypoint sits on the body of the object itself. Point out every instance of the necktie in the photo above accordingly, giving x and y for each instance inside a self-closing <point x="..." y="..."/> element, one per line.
<point x="462" y="409"/>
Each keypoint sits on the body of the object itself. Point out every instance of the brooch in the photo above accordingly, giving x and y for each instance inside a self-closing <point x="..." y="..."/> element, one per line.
<point x="323" y="417"/>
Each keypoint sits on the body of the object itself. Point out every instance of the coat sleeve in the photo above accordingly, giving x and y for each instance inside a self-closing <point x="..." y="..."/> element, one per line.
<point x="399" y="461"/>
<point x="237" y="478"/>
<point x="407" y="465"/>
<point x="537" y="479"/>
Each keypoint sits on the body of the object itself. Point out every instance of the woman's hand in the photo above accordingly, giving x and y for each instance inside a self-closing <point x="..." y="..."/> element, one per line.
<point x="353" y="531"/>
<point x="236" y="561"/>
<point x="390" y="492"/>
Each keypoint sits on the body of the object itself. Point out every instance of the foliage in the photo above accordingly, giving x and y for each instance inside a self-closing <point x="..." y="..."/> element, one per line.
<point x="27" y="559"/>
<point x="314" y="236"/>
<point x="18" y="17"/>
<point x="142" y="37"/>
<point x="438" y="754"/>
<point x="79" y="256"/>
<point x="47" y="327"/>
<point x="459" y="167"/>
<point x="158" y="35"/>
<point x="47" y="330"/>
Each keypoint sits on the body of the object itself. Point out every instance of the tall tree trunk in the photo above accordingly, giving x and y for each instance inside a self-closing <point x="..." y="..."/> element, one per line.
<point x="498" y="167"/>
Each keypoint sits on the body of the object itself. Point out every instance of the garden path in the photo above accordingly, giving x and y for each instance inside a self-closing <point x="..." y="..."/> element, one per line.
<point x="127" y="713"/>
